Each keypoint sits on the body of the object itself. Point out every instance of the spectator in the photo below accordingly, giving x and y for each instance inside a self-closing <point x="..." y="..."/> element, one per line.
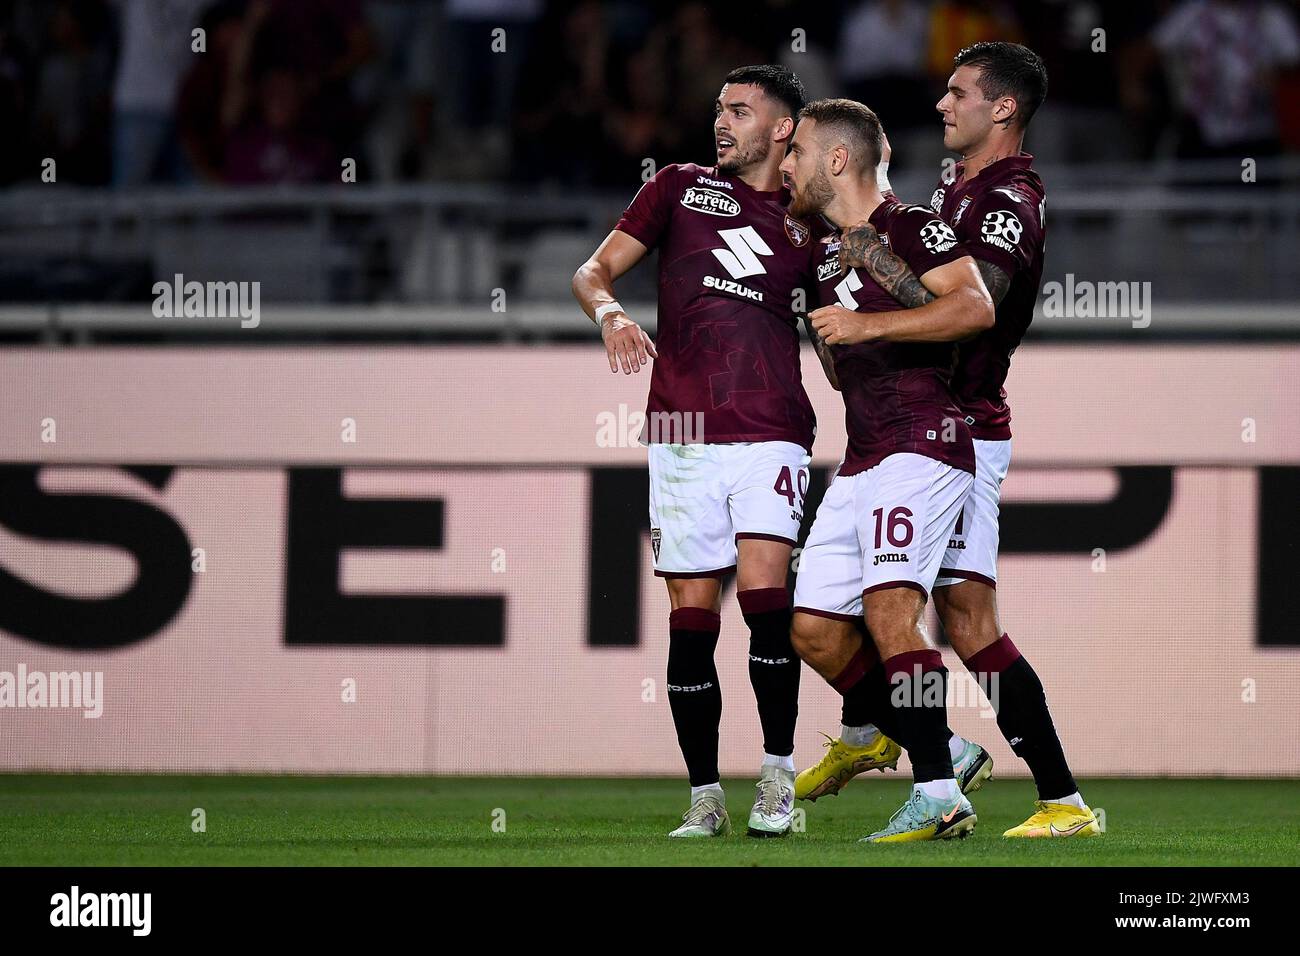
<point x="16" y="94"/>
<point x="955" y="24"/>
<point x="483" y="83"/>
<point x="638" y="125"/>
<point x="213" y="94"/>
<point x="156" y="52"/>
<point x="324" y="43"/>
<point x="882" y="62"/>
<point x="397" y="88"/>
<point x="1223" y="58"/>
<point x="560" y="133"/>
<point x="701" y="51"/>
<point x="71" y="109"/>
<point x="276" y="147"/>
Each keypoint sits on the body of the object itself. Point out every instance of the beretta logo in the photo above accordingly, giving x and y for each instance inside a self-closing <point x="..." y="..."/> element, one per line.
<point x="797" y="232"/>
<point x="829" y="269"/>
<point x="710" y="201"/>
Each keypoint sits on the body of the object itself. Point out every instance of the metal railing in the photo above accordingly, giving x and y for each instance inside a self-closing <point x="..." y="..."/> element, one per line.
<point x="1197" y="233"/>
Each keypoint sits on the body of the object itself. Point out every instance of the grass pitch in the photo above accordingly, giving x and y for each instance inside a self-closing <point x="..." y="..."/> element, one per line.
<point x="99" y="820"/>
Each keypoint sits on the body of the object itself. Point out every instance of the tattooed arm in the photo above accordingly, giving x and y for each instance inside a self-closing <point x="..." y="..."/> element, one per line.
<point x="995" y="280"/>
<point x="823" y="354"/>
<point x="861" y="248"/>
<point x="960" y="308"/>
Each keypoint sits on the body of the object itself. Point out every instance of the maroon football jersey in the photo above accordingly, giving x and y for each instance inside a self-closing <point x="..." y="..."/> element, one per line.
<point x="998" y="216"/>
<point x="896" y="394"/>
<point x="730" y="259"/>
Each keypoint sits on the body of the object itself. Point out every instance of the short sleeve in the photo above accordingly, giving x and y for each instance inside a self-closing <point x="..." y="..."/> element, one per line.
<point x="923" y="240"/>
<point x="651" y="209"/>
<point x="1004" y="227"/>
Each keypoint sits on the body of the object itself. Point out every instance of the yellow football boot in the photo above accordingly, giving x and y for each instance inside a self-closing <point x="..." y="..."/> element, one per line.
<point x="842" y="763"/>
<point x="1057" y="820"/>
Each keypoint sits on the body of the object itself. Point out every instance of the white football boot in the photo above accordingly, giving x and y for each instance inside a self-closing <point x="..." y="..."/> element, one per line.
<point x="707" y="817"/>
<point x="773" y="810"/>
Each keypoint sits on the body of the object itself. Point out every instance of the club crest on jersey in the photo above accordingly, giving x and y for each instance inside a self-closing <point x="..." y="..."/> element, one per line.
<point x="710" y="201"/>
<point x="797" y="232"/>
<point x="656" y="536"/>
<point x="938" y="236"/>
<point x="956" y="217"/>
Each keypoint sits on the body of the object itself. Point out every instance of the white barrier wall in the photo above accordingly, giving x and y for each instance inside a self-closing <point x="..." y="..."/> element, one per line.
<point x="431" y="560"/>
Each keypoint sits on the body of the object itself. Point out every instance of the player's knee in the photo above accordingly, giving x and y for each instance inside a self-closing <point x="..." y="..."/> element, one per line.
<point x="963" y="634"/>
<point x="896" y="631"/>
<point x="806" y="639"/>
<point x="703" y="593"/>
<point x="969" y="616"/>
<point x="969" y="630"/>
<point x="819" y="648"/>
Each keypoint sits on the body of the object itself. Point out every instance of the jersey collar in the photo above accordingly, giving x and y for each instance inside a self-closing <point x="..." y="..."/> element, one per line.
<point x="1021" y="160"/>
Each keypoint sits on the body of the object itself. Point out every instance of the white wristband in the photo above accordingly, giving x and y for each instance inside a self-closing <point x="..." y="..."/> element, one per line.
<point x="882" y="176"/>
<point x="606" y="309"/>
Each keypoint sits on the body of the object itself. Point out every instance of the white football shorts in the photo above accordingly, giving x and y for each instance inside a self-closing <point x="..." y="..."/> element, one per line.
<point x="973" y="551"/>
<point x="885" y="527"/>
<point x="706" y="497"/>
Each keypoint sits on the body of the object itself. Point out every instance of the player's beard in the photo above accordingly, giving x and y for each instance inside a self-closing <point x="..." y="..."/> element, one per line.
<point x="813" y="197"/>
<point x="741" y="159"/>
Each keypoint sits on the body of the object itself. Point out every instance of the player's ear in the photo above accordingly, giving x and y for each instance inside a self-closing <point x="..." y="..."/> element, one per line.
<point x="839" y="159"/>
<point x="1005" y="111"/>
<point x="784" y="130"/>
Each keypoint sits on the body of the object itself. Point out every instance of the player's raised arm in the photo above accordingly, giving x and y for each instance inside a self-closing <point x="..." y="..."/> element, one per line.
<point x="593" y="286"/>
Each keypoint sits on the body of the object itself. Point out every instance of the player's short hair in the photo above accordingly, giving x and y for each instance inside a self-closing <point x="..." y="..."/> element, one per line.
<point x="778" y="82"/>
<point x="858" y="125"/>
<point x="1008" y="69"/>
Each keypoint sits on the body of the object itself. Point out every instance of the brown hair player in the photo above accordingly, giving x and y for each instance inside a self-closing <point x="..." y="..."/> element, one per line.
<point x="994" y="202"/>
<point x="883" y="527"/>
<point x="729" y="426"/>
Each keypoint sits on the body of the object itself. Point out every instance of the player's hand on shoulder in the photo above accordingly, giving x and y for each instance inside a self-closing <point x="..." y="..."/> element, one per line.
<point x="839" y="326"/>
<point x="626" y="343"/>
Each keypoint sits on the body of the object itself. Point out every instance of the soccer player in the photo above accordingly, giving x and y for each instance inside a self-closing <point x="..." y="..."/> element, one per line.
<point x="728" y="424"/>
<point x="882" y="529"/>
<point x="995" y="204"/>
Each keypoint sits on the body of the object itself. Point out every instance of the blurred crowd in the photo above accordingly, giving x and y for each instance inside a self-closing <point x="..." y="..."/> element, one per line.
<point x="122" y="92"/>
